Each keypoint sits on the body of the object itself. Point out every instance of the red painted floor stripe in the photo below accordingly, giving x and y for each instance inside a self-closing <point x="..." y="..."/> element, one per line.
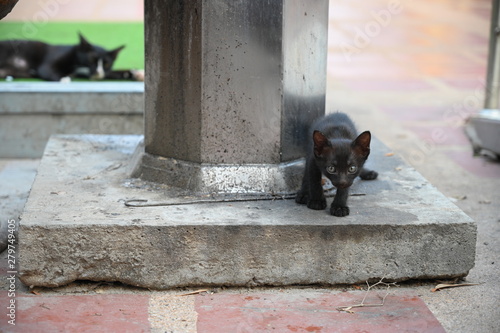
<point x="312" y="312"/>
<point x="84" y="313"/>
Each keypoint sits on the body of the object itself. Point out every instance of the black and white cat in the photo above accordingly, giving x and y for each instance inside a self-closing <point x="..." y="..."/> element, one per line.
<point x="34" y="59"/>
<point x="338" y="153"/>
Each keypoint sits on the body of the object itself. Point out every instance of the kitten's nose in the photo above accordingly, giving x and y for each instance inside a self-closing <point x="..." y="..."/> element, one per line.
<point x="343" y="183"/>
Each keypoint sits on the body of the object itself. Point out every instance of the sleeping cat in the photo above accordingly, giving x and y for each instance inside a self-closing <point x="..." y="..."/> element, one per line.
<point x="34" y="59"/>
<point x="338" y="153"/>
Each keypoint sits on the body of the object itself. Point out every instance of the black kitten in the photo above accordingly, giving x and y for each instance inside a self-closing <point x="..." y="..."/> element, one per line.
<point x="34" y="59"/>
<point x="339" y="154"/>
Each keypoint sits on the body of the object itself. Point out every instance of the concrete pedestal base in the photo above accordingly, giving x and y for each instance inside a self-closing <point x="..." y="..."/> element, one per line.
<point x="203" y="178"/>
<point x="76" y="226"/>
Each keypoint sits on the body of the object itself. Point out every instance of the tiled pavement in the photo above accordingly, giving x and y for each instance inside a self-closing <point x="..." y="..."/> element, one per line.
<point x="225" y="312"/>
<point x="312" y="312"/>
<point x="410" y="71"/>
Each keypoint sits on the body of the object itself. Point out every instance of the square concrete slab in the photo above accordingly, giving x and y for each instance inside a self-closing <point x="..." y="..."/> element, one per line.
<point x="79" y="313"/>
<point x="75" y="226"/>
<point x="313" y="312"/>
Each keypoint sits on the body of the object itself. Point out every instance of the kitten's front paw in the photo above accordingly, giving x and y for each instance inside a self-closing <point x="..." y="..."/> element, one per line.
<point x="301" y="197"/>
<point x="339" y="210"/>
<point x="368" y="175"/>
<point x="316" y="204"/>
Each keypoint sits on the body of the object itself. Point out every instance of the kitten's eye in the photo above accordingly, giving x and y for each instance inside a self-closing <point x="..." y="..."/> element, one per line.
<point x="352" y="169"/>
<point x="331" y="170"/>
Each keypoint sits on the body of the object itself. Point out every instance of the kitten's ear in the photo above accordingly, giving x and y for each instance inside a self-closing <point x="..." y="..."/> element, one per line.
<point x="114" y="53"/>
<point x="84" y="44"/>
<point x="320" y="143"/>
<point x="361" y="145"/>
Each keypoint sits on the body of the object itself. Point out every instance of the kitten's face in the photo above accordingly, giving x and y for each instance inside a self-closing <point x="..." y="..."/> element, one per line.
<point x="341" y="160"/>
<point x="94" y="61"/>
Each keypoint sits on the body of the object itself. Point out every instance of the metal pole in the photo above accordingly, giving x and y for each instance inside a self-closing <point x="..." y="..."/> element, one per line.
<point x="483" y="129"/>
<point x="493" y="75"/>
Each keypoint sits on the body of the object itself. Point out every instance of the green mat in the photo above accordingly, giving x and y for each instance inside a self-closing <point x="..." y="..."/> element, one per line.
<point x="106" y="35"/>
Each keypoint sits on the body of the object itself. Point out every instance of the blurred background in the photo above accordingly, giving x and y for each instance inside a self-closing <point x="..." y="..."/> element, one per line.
<point x="107" y="23"/>
<point x="413" y="72"/>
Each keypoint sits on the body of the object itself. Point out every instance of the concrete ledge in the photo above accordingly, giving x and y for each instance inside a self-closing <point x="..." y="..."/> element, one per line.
<point x="75" y="226"/>
<point x="31" y="112"/>
<point x="87" y="97"/>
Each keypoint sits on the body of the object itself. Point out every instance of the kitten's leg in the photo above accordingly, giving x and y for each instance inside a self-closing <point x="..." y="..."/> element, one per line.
<point x="366" y="174"/>
<point x="339" y="204"/>
<point x="316" y="198"/>
<point x="302" y="195"/>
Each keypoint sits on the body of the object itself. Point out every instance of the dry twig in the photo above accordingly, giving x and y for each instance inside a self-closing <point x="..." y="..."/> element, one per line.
<point x="452" y="285"/>
<point x="363" y="304"/>
<point x="200" y="291"/>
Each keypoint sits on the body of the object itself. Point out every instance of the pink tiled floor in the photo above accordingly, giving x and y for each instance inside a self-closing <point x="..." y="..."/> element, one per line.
<point x="412" y="60"/>
<point x="441" y="40"/>
<point x="226" y="312"/>
<point x="313" y="312"/>
<point x="78" y="313"/>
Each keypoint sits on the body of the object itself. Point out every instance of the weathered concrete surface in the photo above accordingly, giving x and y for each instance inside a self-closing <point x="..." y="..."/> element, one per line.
<point x="31" y="112"/>
<point x="231" y="90"/>
<point x="233" y="82"/>
<point x="16" y="177"/>
<point x="75" y="226"/>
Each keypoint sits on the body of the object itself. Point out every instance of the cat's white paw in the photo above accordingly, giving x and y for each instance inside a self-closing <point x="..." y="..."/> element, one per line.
<point x="65" y="79"/>
<point x="138" y="74"/>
